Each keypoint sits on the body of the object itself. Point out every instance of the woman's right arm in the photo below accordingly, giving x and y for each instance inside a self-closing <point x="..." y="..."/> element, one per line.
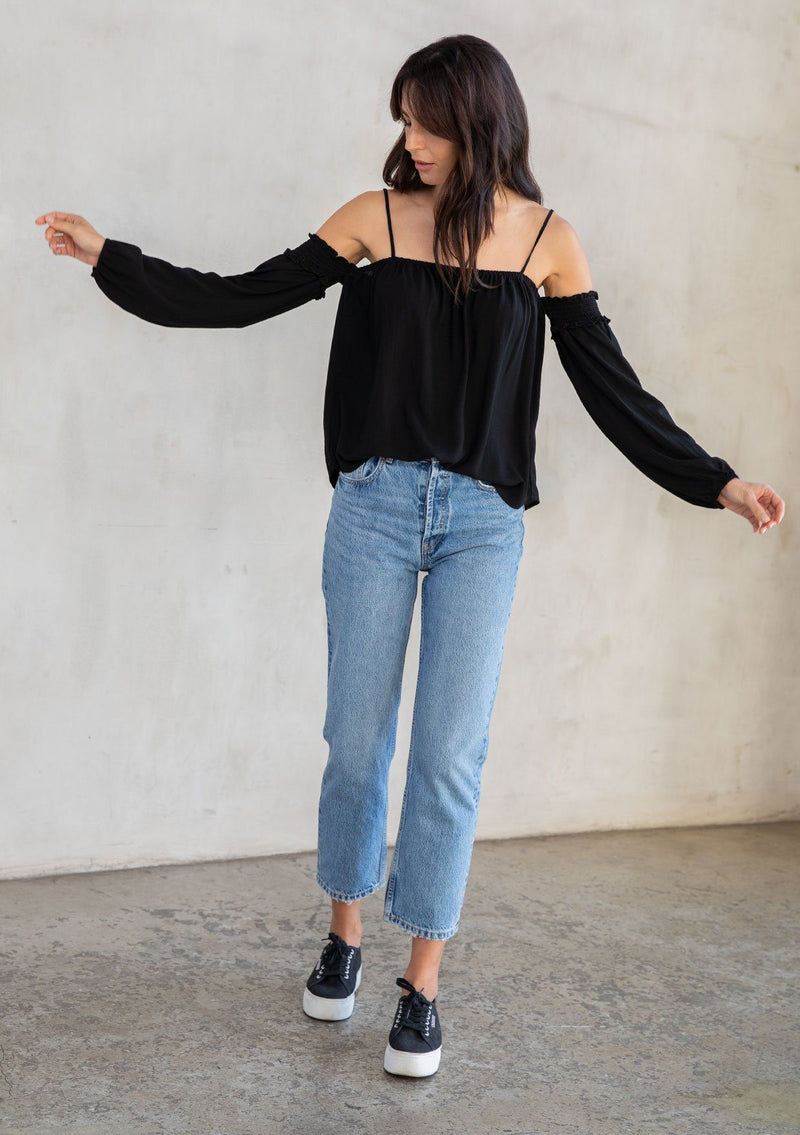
<point x="171" y="296"/>
<point x="162" y="293"/>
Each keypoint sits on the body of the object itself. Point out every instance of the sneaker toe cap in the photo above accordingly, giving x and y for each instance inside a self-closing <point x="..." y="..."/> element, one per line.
<point x="327" y="987"/>
<point x="411" y="1040"/>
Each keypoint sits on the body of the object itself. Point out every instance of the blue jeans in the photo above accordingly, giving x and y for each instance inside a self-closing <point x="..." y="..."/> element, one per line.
<point x="390" y="519"/>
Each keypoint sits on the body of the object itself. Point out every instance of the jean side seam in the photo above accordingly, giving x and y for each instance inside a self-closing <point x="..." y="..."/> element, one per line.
<point x="487" y="730"/>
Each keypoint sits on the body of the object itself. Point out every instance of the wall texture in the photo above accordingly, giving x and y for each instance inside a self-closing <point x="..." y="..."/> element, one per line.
<point x="163" y="495"/>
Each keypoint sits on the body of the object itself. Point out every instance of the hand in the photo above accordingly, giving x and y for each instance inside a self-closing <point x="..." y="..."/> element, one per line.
<point x="71" y="235"/>
<point x="758" y="503"/>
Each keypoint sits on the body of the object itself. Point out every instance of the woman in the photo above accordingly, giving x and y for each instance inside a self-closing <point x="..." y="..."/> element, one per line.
<point x="431" y="405"/>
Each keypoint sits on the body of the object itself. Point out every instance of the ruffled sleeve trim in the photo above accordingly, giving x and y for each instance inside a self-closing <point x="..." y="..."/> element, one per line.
<point x="322" y="259"/>
<point x="573" y="311"/>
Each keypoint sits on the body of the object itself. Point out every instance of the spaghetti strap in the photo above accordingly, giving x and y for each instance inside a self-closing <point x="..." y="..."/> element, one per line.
<point x="541" y="230"/>
<point x="389" y="218"/>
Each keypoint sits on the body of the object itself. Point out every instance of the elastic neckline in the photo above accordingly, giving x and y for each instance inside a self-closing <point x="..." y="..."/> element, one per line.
<point x="494" y="271"/>
<point x="432" y="264"/>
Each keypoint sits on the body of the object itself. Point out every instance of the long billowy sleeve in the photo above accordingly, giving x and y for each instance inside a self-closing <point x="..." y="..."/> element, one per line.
<point x="633" y="419"/>
<point x="162" y="293"/>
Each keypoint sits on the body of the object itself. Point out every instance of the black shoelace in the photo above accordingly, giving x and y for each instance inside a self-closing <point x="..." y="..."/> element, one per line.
<point x="334" y="956"/>
<point x="413" y="1010"/>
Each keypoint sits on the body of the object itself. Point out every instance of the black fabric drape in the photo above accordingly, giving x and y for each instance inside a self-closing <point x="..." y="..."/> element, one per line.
<point x="636" y="422"/>
<point x="162" y="293"/>
<point x="633" y="419"/>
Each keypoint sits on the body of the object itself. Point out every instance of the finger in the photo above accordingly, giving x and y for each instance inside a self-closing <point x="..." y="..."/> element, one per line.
<point x="56" y="239"/>
<point x="61" y="218"/>
<point x="61" y="226"/>
<point x="775" y="505"/>
<point x="775" y="510"/>
<point x="760" y="512"/>
<point x="61" y="244"/>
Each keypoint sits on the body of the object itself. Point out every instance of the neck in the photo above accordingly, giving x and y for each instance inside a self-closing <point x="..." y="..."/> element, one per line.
<point x="502" y="197"/>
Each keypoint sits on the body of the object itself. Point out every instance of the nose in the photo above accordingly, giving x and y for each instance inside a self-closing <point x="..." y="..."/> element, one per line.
<point x="412" y="133"/>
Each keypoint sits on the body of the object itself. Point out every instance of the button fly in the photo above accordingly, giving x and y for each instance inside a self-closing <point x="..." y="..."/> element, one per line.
<point x="434" y="496"/>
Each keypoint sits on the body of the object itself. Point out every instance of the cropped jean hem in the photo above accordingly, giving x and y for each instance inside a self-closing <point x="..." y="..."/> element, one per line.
<point x="420" y="931"/>
<point x="343" y="896"/>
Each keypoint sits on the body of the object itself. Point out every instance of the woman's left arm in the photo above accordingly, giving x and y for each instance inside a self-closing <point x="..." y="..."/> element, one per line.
<point x="637" y="423"/>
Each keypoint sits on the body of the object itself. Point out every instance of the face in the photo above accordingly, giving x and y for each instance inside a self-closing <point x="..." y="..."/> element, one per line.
<point x="440" y="154"/>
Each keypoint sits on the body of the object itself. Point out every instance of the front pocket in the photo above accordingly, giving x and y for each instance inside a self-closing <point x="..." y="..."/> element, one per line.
<point x="367" y="471"/>
<point x="487" y="488"/>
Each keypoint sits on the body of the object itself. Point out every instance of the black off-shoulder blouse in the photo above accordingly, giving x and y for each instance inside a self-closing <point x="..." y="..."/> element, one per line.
<point x="412" y="374"/>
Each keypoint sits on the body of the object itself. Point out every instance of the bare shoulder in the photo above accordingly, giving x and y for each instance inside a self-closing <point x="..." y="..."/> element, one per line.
<point x="351" y="228"/>
<point x="564" y="260"/>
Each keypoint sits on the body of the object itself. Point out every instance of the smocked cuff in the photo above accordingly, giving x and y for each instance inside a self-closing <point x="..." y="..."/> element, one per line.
<point x="573" y="311"/>
<point x="321" y="258"/>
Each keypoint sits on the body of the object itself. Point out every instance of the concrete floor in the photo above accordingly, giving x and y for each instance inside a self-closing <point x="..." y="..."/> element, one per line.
<point x="600" y="983"/>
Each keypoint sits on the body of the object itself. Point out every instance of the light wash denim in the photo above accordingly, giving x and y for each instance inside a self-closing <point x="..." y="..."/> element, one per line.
<point x="389" y="520"/>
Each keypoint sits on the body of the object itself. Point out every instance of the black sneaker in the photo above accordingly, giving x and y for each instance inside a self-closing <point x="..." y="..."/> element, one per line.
<point x="330" y="992"/>
<point x="415" y="1040"/>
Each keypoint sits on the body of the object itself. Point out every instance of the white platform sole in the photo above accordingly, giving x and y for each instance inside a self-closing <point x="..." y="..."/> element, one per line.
<point x="411" y="1063"/>
<point x="330" y="1008"/>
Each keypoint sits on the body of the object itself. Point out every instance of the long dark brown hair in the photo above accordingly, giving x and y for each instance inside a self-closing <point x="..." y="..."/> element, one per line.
<point x="462" y="89"/>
